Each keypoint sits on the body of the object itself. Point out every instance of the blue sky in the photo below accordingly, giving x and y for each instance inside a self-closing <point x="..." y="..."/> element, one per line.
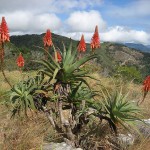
<point x="118" y="20"/>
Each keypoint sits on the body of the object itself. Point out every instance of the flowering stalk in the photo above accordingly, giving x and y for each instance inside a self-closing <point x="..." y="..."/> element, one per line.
<point x="58" y="57"/>
<point x="82" y="45"/>
<point x="95" y="41"/>
<point x="20" y="62"/>
<point x="4" y="37"/>
<point x="47" y="40"/>
<point x="146" y="87"/>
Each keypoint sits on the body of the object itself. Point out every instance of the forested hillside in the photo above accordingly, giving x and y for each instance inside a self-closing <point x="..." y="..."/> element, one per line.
<point x="113" y="58"/>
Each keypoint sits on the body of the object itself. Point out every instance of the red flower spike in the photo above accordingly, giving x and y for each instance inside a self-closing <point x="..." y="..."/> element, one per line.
<point x="20" y="61"/>
<point x="58" y="55"/>
<point x="4" y="31"/>
<point x="82" y="46"/>
<point x="146" y="86"/>
<point x="48" y="39"/>
<point x="95" y="41"/>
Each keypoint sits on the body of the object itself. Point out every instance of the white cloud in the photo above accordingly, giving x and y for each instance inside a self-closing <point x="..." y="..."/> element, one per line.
<point x="47" y="5"/>
<point x="122" y="34"/>
<point x="77" y="35"/>
<point x="33" y="16"/>
<point x="138" y="8"/>
<point x="27" y="22"/>
<point x="114" y="34"/>
<point x="86" y="21"/>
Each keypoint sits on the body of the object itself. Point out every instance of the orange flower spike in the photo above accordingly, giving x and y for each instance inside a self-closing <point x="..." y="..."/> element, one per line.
<point x="82" y="45"/>
<point x="48" y="39"/>
<point x="95" y="41"/>
<point x="4" y="31"/>
<point x="59" y="58"/>
<point x="146" y="84"/>
<point x="146" y="87"/>
<point x="20" y="61"/>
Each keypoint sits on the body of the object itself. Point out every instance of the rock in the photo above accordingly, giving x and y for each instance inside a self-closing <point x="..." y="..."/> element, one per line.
<point x="91" y="111"/>
<point x="58" y="146"/>
<point x="144" y="128"/>
<point x="125" y="140"/>
<point x="147" y="121"/>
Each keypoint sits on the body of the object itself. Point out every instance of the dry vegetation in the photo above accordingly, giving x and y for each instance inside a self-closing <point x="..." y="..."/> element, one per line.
<point x="30" y="133"/>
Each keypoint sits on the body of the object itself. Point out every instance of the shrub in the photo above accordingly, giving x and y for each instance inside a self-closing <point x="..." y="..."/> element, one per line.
<point x="129" y="73"/>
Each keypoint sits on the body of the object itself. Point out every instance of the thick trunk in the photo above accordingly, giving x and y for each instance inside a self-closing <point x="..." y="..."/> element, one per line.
<point x="66" y="125"/>
<point x="48" y="114"/>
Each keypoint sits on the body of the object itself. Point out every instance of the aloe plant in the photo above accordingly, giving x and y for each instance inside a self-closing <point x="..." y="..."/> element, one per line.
<point x="69" y="70"/>
<point x="21" y="97"/>
<point x="119" y="110"/>
<point x="28" y="93"/>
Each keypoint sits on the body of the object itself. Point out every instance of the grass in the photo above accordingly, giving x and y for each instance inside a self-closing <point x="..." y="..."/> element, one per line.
<point x="31" y="133"/>
<point x="21" y="133"/>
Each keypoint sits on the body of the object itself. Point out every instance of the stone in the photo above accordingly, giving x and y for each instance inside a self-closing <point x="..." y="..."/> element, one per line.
<point x="125" y="140"/>
<point x="144" y="128"/>
<point x="58" y="146"/>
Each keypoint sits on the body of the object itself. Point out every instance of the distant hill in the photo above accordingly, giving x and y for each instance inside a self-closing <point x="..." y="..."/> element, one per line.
<point x="34" y="41"/>
<point x="110" y="55"/>
<point x="141" y="47"/>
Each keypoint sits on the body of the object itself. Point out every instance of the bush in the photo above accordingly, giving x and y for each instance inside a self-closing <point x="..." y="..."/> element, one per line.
<point x="129" y="73"/>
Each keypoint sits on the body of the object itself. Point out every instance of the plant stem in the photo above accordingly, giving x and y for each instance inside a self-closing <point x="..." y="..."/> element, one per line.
<point x="48" y="113"/>
<point x="2" y="67"/>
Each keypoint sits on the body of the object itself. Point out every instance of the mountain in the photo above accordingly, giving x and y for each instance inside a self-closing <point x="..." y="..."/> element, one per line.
<point x="141" y="47"/>
<point x="110" y="55"/>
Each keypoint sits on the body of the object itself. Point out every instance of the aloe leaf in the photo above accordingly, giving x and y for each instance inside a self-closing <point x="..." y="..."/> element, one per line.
<point x="46" y="64"/>
<point x="55" y="73"/>
<point x="71" y="60"/>
<point x="77" y="64"/>
<point x="76" y="89"/>
<point x="68" y="55"/>
<point x="80" y="73"/>
<point x="51" y="58"/>
<point x="64" y="52"/>
<point x="30" y="98"/>
<point x="16" y="89"/>
<point x="55" y="61"/>
<point x="47" y="73"/>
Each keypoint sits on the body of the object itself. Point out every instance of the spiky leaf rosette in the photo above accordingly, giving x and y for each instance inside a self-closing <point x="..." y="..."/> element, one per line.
<point x="120" y="110"/>
<point x="69" y="70"/>
<point x="29" y="94"/>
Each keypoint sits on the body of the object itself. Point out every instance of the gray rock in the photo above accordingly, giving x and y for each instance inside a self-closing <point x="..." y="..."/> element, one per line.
<point x="125" y="140"/>
<point x="147" y="121"/>
<point x="144" y="128"/>
<point x="58" y="146"/>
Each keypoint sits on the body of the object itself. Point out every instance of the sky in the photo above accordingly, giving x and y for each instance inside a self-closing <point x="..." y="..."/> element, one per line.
<point x="118" y="20"/>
